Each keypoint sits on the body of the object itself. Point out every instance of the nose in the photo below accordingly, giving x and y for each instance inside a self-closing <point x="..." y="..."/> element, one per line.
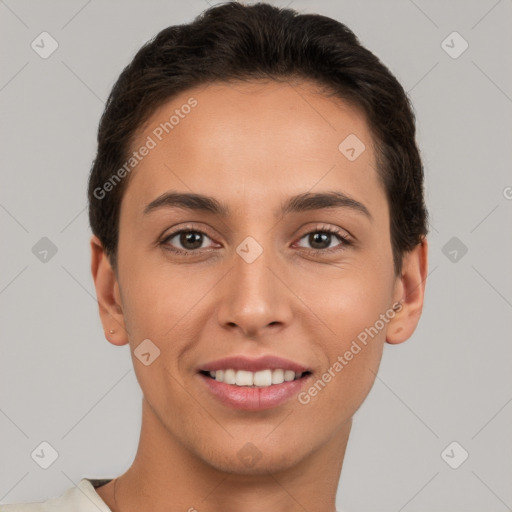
<point x="254" y="299"/>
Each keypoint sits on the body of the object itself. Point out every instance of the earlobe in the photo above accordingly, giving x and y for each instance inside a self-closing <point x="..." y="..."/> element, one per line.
<point x="107" y="294"/>
<point x="410" y="289"/>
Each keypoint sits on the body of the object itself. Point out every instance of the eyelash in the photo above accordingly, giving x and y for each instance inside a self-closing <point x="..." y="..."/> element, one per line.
<point x="345" y="241"/>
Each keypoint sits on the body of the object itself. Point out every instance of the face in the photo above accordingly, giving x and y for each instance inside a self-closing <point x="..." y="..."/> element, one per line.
<point x="280" y="260"/>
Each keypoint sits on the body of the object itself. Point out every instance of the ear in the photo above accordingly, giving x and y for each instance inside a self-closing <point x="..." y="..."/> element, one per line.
<point x="108" y="295"/>
<point x="409" y="292"/>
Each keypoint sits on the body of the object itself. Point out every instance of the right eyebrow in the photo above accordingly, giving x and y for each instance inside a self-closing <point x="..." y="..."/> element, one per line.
<point x="189" y="201"/>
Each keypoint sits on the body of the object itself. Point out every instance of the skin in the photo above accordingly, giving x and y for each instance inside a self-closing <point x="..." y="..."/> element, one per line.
<point x="251" y="146"/>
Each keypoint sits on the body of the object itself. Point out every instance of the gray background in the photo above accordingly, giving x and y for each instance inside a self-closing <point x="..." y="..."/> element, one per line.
<point x="62" y="382"/>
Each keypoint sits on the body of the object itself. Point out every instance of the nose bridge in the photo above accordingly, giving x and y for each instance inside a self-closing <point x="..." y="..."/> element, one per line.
<point x="253" y="297"/>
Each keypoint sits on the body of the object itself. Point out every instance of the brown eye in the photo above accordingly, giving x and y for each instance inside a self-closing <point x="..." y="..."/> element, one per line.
<point x="191" y="239"/>
<point x="185" y="240"/>
<point x="326" y="240"/>
<point x="320" y="240"/>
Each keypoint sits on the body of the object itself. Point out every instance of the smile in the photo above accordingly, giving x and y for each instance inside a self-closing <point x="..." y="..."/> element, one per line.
<point x="261" y="379"/>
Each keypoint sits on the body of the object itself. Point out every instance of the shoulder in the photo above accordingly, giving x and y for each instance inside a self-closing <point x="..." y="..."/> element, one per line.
<point x="81" y="498"/>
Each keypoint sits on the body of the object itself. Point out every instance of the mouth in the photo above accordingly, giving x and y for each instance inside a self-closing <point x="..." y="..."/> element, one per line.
<point x="260" y="379"/>
<point x="253" y="384"/>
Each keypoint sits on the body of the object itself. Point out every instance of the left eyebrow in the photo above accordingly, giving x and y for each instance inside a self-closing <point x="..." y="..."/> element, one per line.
<point x="295" y="204"/>
<point x="320" y="200"/>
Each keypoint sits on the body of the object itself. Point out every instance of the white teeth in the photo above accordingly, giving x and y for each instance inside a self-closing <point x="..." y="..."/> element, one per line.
<point x="244" y="378"/>
<point x="277" y="376"/>
<point x="262" y="378"/>
<point x="229" y="377"/>
<point x="289" y="375"/>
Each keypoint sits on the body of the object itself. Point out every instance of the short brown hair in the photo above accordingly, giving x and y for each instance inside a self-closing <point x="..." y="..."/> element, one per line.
<point x="231" y="42"/>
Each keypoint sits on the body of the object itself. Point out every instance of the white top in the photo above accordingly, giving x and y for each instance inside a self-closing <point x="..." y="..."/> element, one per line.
<point x="82" y="498"/>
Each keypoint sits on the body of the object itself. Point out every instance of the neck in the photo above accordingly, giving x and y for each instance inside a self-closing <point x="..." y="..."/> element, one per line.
<point x="166" y="477"/>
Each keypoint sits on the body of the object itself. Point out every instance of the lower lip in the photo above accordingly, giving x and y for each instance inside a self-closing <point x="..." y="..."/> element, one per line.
<point x="254" y="399"/>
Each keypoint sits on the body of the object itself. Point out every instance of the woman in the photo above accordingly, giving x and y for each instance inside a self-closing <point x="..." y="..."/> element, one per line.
<point x="259" y="233"/>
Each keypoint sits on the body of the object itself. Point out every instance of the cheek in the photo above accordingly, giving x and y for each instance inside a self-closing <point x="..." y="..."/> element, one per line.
<point x="349" y="299"/>
<point x="155" y="309"/>
<point x="355" y="308"/>
<point x="155" y="296"/>
<point x="166" y="305"/>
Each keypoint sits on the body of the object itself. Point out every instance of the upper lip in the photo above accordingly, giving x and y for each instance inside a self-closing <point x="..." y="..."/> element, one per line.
<point x="253" y="364"/>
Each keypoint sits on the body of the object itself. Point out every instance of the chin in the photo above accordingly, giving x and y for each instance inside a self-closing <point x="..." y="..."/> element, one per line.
<point x="264" y="466"/>
<point x="256" y="459"/>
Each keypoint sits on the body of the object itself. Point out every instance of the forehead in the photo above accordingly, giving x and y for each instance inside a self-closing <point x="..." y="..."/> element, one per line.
<point x="258" y="139"/>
